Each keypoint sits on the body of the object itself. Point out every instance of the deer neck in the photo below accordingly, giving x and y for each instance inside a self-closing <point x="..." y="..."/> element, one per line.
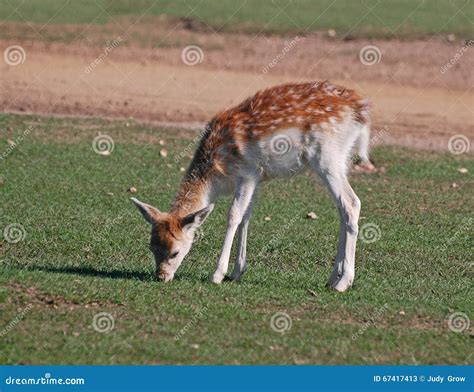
<point x="197" y="190"/>
<point x="202" y="182"/>
<point x="193" y="195"/>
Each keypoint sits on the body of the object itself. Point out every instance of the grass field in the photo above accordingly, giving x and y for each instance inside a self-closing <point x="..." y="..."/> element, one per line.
<point x="84" y="251"/>
<point x="367" y="18"/>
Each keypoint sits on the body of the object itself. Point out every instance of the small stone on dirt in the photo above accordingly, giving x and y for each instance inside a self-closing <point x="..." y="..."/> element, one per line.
<point x="161" y="142"/>
<point x="312" y="215"/>
<point x="331" y="33"/>
<point x="454" y="185"/>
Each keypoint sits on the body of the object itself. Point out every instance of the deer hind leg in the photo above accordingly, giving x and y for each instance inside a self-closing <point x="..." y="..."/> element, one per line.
<point x="241" y="261"/>
<point x="362" y="144"/>
<point x="348" y="205"/>
<point x="244" y="191"/>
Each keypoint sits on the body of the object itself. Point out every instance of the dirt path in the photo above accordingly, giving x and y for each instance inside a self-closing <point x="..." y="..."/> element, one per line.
<point x="137" y="83"/>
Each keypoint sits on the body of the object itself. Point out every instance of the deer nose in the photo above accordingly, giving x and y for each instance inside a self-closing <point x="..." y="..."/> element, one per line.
<point x="164" y="277"/>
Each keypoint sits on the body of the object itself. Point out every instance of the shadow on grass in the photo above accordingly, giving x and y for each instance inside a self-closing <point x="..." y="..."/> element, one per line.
<point x="89" y="271"/>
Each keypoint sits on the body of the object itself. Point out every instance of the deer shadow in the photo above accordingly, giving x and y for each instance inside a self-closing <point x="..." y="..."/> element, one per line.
<point x="89" y="271"/>
<point x="114" y="274"/>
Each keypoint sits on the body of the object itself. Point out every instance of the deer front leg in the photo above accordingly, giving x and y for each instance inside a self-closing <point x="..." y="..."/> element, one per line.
<point x="243" y="196"/>
<point x="349" y="209"/>
<point x="241" y="261"/>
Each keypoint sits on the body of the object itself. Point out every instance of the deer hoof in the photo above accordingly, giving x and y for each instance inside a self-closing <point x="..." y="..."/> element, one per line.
<point x="217" y="278"/>
<point x="343" y="283"/>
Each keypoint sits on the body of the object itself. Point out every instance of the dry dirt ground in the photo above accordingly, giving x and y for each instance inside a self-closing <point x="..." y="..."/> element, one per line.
<point x="414" y="103"/>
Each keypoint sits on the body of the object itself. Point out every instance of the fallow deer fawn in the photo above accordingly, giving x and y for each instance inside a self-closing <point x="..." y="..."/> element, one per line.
<point x="275" y="133"/>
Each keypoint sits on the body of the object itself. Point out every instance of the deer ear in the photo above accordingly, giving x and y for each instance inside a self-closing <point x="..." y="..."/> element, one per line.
<point x="197" y="218"/>
<point x="149" y="212"/>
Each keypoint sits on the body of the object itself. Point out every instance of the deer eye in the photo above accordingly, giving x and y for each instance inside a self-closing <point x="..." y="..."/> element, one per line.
<point x="173" y="255"/>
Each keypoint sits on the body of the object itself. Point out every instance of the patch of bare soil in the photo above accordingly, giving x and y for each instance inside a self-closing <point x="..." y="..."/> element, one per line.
<point x="414" y="102"/>
<point x="36" y="297"/>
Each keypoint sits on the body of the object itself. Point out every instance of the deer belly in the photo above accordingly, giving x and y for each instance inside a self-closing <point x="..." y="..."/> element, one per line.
<point x="283" y="153"/>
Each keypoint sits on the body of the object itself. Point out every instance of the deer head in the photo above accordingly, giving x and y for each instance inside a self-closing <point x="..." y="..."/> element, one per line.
<point x="171" y="236"/>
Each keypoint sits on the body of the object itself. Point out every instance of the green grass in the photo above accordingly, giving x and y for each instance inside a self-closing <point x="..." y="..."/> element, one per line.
<point x="85" y="252"/>
<point x="357" y="18"/>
